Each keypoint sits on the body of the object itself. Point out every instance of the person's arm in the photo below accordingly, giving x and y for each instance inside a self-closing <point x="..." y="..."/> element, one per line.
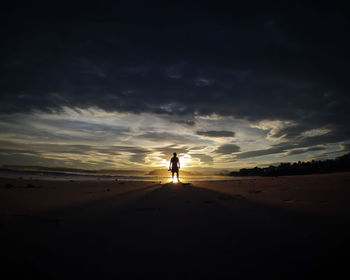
<point x="178" y="164"/>
<point x="170" y="164"/>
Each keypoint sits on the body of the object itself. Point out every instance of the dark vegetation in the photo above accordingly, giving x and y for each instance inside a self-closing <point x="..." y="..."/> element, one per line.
<point x="340" y="164"/>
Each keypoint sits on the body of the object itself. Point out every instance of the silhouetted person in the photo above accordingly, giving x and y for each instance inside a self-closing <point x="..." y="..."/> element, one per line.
<point x="174" y="167"/>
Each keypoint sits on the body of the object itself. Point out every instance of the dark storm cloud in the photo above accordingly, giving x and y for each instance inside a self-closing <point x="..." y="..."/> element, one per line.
<point x="257" y="153"/>
<point x="167" y="137"/>
<point x="216" y="133"/>
<point x="346" y="147"/>
<point x="291" y="132"/>
<point x="138" y="158"/>
<point x="8" y="147"/>
<point x="60" y="130"/>
<point x="254" y="61"/>
<point x="329" y="138"/>
<point x="32" y="159"/>
<point x="203" y="158"/>
<point x="186" y="122"/>
<point x="227" y="149"/>
<point x="312" y="149"/>
<point x="167" y="152"/>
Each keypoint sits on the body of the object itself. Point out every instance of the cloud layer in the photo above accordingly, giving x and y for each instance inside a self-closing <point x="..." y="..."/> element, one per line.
<point x="240" y="81"/>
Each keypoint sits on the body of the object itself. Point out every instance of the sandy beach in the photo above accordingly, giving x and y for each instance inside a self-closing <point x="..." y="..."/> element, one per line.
<point x="293" y="227"/>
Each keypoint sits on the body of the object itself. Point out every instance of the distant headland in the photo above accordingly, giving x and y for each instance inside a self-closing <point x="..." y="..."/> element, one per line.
<point x="340" y="164"/>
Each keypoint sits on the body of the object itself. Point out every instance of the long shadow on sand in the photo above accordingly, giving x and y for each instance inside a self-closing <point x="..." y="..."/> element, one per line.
<point x="177" y="231"/>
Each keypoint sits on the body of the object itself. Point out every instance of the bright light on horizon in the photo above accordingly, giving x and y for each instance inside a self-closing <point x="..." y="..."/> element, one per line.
<point x="121" y="142"/>
<point x="175" y="180"/>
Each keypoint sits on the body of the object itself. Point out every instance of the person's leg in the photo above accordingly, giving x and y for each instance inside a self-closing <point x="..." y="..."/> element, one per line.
<point x="177" y="175"/>
<point x="172" y="176"/>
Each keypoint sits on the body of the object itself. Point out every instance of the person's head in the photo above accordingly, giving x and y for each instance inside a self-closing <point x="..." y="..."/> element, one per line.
<point x="174" y="154"/>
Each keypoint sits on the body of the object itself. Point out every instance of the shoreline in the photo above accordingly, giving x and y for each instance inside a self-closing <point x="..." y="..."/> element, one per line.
<point x="323" y="193"/>
<point x="293" y="227"/>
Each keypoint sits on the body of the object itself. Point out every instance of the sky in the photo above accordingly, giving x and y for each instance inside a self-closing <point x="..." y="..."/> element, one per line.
<point x="124" y="84"/>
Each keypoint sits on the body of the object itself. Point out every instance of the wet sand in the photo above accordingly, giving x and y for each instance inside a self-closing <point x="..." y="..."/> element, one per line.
<point x="266" y="228"/>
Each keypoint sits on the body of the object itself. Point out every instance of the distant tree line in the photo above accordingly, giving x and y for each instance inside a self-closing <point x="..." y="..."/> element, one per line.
<point x="340" y="164"/>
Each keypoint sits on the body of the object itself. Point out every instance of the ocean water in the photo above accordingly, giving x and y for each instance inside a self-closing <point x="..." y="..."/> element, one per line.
<point x="79" y="176"/>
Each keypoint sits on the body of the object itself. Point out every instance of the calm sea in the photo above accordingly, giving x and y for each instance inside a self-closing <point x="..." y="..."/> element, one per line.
<point x="61" y="175"/>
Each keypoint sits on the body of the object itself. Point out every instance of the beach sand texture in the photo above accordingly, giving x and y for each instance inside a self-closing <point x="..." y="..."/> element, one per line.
<point x="294" y="227"/>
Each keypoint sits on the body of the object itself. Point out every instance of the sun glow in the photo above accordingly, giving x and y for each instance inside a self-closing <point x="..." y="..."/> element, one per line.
<point x="174" y="180"/>
<point x="185" y="160"/>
